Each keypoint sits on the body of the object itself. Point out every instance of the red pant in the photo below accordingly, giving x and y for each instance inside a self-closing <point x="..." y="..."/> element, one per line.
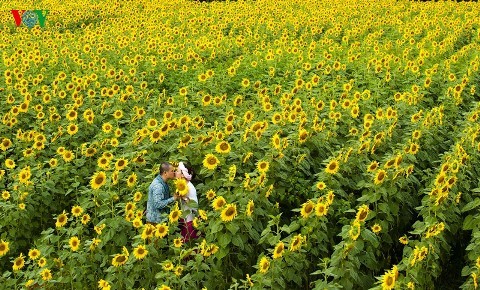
<point x="188" y="232"/>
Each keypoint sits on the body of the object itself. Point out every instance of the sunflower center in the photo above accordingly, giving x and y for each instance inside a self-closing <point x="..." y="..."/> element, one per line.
<point x="308" y="208"/>
<point x="98" y="180"/>
<point x="230" y="211"/>
<point x="389" y="281"/>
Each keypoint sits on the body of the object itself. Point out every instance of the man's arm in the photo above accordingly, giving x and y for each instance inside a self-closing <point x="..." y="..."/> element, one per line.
<point x="158" y="197"/>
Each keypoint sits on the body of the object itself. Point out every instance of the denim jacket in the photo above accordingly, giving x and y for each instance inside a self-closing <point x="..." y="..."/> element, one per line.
<point x="158" y="200"/>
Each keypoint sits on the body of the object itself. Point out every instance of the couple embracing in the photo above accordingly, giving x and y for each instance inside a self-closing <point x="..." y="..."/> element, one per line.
<point x="159" y="198"/>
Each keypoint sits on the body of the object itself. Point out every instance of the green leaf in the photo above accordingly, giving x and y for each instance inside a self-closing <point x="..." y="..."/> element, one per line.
<point x="368" y="235"/>
<point x="224" y="239"/>
<point x="237" y="241"/>
<point x="232" y="228"/>
<point x="471" y="205"/>
<point x="469" y="223"/>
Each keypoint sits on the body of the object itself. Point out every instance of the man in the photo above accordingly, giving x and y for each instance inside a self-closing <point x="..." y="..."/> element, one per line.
<point x="159" y="194"/>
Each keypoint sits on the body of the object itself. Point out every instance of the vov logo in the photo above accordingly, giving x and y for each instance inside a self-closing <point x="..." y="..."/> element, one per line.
<point x="30" y="17"/>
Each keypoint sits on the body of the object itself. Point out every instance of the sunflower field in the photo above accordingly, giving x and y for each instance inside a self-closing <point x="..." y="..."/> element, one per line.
<point x="336" y="144"/>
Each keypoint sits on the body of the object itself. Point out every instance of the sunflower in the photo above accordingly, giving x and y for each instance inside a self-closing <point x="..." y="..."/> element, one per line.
<point x="107" y="127"/>
<point x="164" y="287"/>
<point x="388" y="281"/>
<point x="210" y="194"/>
<point x="137" y="223"/>
<point x="175" y="214"/>
<point x="90" y="152"/>
<point x="104" y="285"/>
<point x="94" y="244"/>
<point x="276" y="142"/>
<point x="10" y="164"/>
<point x="103" y="162"/>
<point x="61" y="220"/>
<point x="229" y="212"/>
<point x="130" y="206"/>
<point x="332" y="167"/>
<point x="77" y="210"/>
<point x="403" y="240"/>
<point x="98" y="180"/>
<point x="210" y="161"/>
<point x="118" y="114"/>
<point x="72" y="129"/>
<point x="223" y="147"/>
<point x="148" y="231"/>
<point x="362" y="213"/>
<point x="380" y="176"/>
<point x="46" y="274"/>
<point x="34" y="254"/>
<point x="115" y="177"/>
<point x="178" y="270"/>
<point x="278" y="251"/>
<point x="206" y="100"/>
<point x="307" y="209"/>
<point x="121" y="164"/>
<point x="161" y="230"/>
<point x="85" y="219"/>
<point x="389" y="163"/>
<point x="321" y="209"/>
<point x="177" y="242"/>
<point x="18" y="263"/>
<point x="181" y="187"/>
<point x="451" y="181"/>
<point x="296" y="243"/>
<point x="232" y="171"/>
<point x="42" y="262"/>
<point x="263" y="265"/>
<point x="131" y="180"/>
<point x="5" y="195"/>
<point x="354" y="231"/>
<point x="321" y="185"/>
<point x="74" y="243"/>
<point x="140" y="252"/>
<point x="119" y="260"/>
<point x="263" y="166"/>
<point x="414" y="148"/>
<point x="137" y="196"/>
<point x="29" y="152"/>
<point x="68" y="155"/>
<point x="218" y="202"/>
<point x="372" y="166"/>
<point x="183" y="91"/>
<point x="167" y="265"/>
<point x="250" y="207"/>
<point x="302" y="136"/>
<point x="3" y="248"/>
<point x="376" y="228"/>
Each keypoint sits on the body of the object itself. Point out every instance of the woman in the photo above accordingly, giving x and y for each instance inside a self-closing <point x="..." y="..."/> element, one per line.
<point x="186" y="225"/>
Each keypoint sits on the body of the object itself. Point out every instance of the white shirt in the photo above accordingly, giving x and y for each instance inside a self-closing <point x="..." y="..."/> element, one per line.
<point x="192" y="195"/>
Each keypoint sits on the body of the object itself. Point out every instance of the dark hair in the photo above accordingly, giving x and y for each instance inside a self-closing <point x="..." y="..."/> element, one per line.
<point x="164" y="167"/>
<point x="189" y="169"/>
